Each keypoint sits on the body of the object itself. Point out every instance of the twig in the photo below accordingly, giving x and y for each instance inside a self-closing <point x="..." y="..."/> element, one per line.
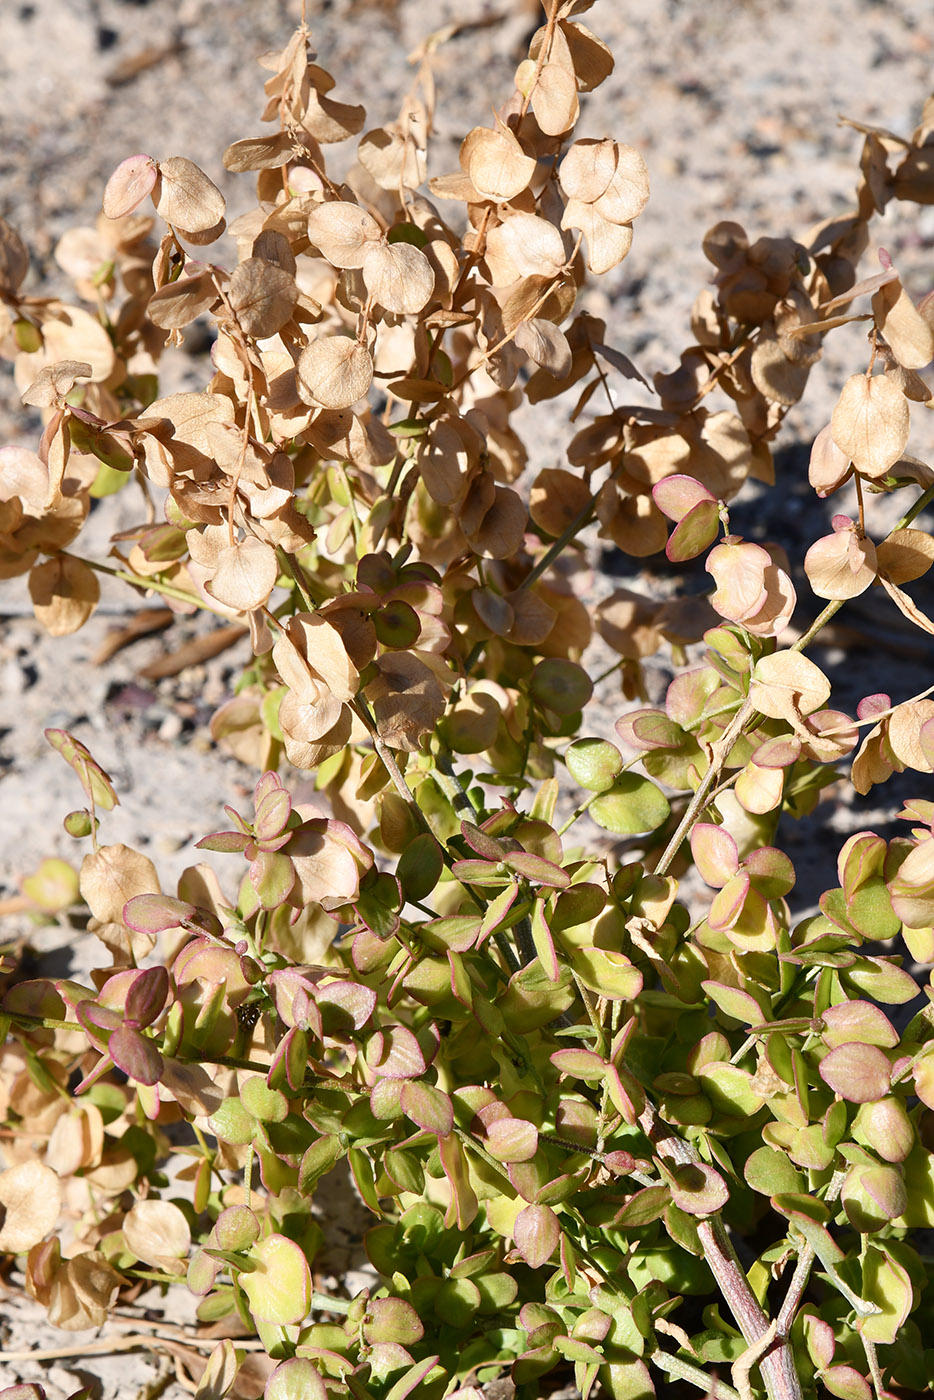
<point x="753" y="1353"/>
<point x="685" y="1371"/>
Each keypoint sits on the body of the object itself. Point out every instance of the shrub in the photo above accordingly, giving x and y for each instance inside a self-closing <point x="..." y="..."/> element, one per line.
<point x="599" y="1123"/>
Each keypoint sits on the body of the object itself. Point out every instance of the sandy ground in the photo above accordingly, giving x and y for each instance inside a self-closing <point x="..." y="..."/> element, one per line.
<point x="735" y="108"/>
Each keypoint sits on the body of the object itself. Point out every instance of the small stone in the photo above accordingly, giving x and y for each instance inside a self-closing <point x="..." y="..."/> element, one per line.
<point x="170" y="729"/>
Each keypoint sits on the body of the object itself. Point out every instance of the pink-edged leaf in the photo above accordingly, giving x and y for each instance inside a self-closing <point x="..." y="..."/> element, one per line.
<point x="544" y="943"/>
<point x="699" y="1189"/>
<point x="295" y="1379"/>
<point x="650" y="729"/>
<point x="272" y="876"/>
<point x="727" y="904"/>
<point x="386" y="1098"/>
<point x="129" y="185"/>
<point x="146" y="996"/>
<point x="770" y="871"/>
<point x="735" y="1002"/>
<point x="152" y="913"/>
<point x="537" y="869"/>
<point x="226" y="841"/>
<point x="780" y="752"/>
<point x="858" y="1073"/>
<point x="272" y="814"/>
<point x="715" y="854"/>
<point x="579" y="1064"/>
<point x="677" y="495"/>
<point x="427" y="1106"/>
<point x="695" y="533"/>
<point x="858" y="1022"/>
<point x="135" y="1055"/>
<point x="478" y="872"/>
<point x="537" y="1234"/>
<point x="495" y="912"/>
<point x="95" y="1017"/>
<point x="481" y="843"/>
<point x="511" y="1139"/>
<point x="345" y="1004"/>
<point x="394" y="1053"/>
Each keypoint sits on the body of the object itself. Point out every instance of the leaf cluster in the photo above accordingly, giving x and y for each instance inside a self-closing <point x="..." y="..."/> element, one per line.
<point x="573" y="1093"/>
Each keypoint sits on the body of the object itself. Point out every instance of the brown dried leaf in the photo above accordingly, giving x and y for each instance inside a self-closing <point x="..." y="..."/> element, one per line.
<point x="554" y="100"/>
<point x="501" y="530"/>
<point x="545" y="345"/>
<point x="52" y="384"/>
<point x="587" y="169"/>
<point x="183" y="425"/>
<point x="557" y="499"/>
<point x="407" y="699"/>
<point x="607" y="243"/>
<point x="110" y="876"/>
<point x="627" y="193"/>
<point x="590" y="57"/>
<point x="392" y="159"/>
<point x="444" y="463"/>
<point x="24" y="474"/>
<point x="186" y="198"/>
<point x="263" y="297"/>
<point x="787" y="685"/>
<point x="334" y="372"/>
<point x="158" y="1234"/>
<point x="399" y="278"/>
<point x="495" y="164"/>
<point x="775" y="375"/>
<point x="129" y="185"/>
<point x="259" y="152"/>
<point x="904" y="733"/>
<point x="840" y="565"/>
<point x="533" y="246"/>
<point x="828" y="467"/>
<point x="328" y="120"/>
<point x="905" y="555"/>
<point x="634" y="523"/>
<point x="64" y="592"/>
<point x="343" y="232"/>
<point x="870" y="423"/>
<point x="907" y="605"/>
<point x="31" y="1198"/>
<point x="14" y="259"/>
<point x="909" y="334"/>
<point x="83" y="1291"/>
<point x="177" y="304"/>
<point x="245" y="574"/>
<point x="311" y="652"/>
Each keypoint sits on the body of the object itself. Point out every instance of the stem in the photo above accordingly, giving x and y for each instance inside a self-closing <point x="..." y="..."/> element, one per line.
<point x="558" y="546"/>
<point x="777" y="1366"/>
<point x="820" y="621"/>
<point x="138" y="581"/>
<point x="721" y="752"/>
<point x="695" y="1375"/>
<point x="543" y="54"/>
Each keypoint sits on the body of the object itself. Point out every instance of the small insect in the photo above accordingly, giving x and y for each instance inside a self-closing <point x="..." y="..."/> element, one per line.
<point x="248" y="1014"/>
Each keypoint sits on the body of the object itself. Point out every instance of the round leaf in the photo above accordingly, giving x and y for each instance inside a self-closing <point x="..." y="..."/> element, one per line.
<point x="632" y="805"/>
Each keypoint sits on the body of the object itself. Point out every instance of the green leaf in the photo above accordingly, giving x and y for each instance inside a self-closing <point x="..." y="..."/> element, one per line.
<point x="769" y="1172"/>
<point x="232" y="1123"/>
<point x="593" y="763"/>
<point x="887" y="1285"/>
<point x="279" y="1291"/>
<point x="631" y="806"/>
<point x="420" y="866"/>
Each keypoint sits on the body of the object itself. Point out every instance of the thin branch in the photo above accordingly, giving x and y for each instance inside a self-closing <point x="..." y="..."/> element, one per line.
<point x="685" y="1371"/>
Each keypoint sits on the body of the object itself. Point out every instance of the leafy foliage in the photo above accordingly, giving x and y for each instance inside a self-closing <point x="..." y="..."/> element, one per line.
<point x="567" y="1094"/>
